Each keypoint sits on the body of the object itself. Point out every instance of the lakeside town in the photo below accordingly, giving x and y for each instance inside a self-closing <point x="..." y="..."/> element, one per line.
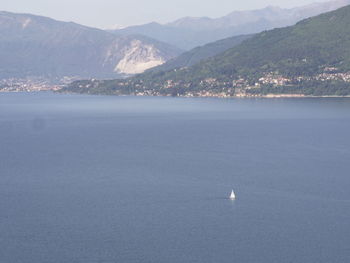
<point x="210" y="87"/>
<point x="243" y="87"/>
<point x="34" y="84"/>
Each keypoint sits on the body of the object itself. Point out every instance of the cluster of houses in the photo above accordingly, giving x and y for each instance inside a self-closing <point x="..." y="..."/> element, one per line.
<point x="31" y="84"/>
<point x="241" y="87"/>
<point x="277" y="80"/>
<point x="334" y="76"/>
<point x="24" y="85"/>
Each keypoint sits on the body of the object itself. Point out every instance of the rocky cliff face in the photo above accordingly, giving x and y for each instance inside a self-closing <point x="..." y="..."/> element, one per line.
<point x="39" y="46"/>
<point x="138" y="57"/>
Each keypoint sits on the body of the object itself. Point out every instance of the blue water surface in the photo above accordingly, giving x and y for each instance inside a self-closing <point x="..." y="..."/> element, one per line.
<point x="96" y="179"/>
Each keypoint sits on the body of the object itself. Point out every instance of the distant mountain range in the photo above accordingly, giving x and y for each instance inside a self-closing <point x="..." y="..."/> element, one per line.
<point x="39" y="46"/>
<point x="198" y="54"/>
<point x="35" y="46"/>
<point x="310" y="58"/>
<point x="187" y="33"/>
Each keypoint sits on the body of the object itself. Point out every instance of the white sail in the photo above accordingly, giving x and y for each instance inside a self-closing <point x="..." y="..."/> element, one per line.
<point x="232" y="196"/>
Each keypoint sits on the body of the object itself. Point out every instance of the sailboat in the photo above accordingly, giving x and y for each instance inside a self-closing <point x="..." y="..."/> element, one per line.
<point x="232" y="196"/>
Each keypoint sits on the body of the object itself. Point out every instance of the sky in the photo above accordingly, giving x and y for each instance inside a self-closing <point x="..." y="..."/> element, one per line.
<point x="109" y="13"/>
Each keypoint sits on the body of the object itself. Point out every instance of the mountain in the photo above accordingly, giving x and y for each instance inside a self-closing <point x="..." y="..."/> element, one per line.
<point x="310" y="58"/>
<point x="38" y="46"/>
<point x="198" y="54"/>
<point x="185" y="39"/>
<point x="189" y="32"/>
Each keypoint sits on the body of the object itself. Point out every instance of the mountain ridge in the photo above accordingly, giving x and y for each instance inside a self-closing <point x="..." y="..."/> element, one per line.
<point x="310" y="58"/>
<point x="198" y="54"/>
<point x="189" y="32"/>
<point x="33" y="45"/>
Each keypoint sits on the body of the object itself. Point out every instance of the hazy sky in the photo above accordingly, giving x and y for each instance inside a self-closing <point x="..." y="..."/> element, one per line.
<point x="106" y="13"/>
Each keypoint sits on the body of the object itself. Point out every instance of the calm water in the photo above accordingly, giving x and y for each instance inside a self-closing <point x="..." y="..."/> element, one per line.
<point x="87" y="179"/>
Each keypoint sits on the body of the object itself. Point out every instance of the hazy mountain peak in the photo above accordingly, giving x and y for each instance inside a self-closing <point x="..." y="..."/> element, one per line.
<point x="187" y="21"/>
<point x="309" y="58"/>
<point x="273" y="7"/>
<point x="39" y="46"/>
<point x="115" y="27"/>
<point x="189" y="32"/>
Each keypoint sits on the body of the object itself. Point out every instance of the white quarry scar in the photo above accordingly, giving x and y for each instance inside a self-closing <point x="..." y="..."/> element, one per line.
<point x="138" y="58"/>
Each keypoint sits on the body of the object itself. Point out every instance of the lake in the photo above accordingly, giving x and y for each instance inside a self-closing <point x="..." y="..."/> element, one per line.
<point x="87" y="179"/>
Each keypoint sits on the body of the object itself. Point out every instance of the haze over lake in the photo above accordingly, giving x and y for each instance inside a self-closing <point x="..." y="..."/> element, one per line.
<point x="88" y="179"/>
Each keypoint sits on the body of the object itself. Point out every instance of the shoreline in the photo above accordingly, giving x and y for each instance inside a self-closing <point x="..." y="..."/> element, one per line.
<point x="267" y="96"/>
